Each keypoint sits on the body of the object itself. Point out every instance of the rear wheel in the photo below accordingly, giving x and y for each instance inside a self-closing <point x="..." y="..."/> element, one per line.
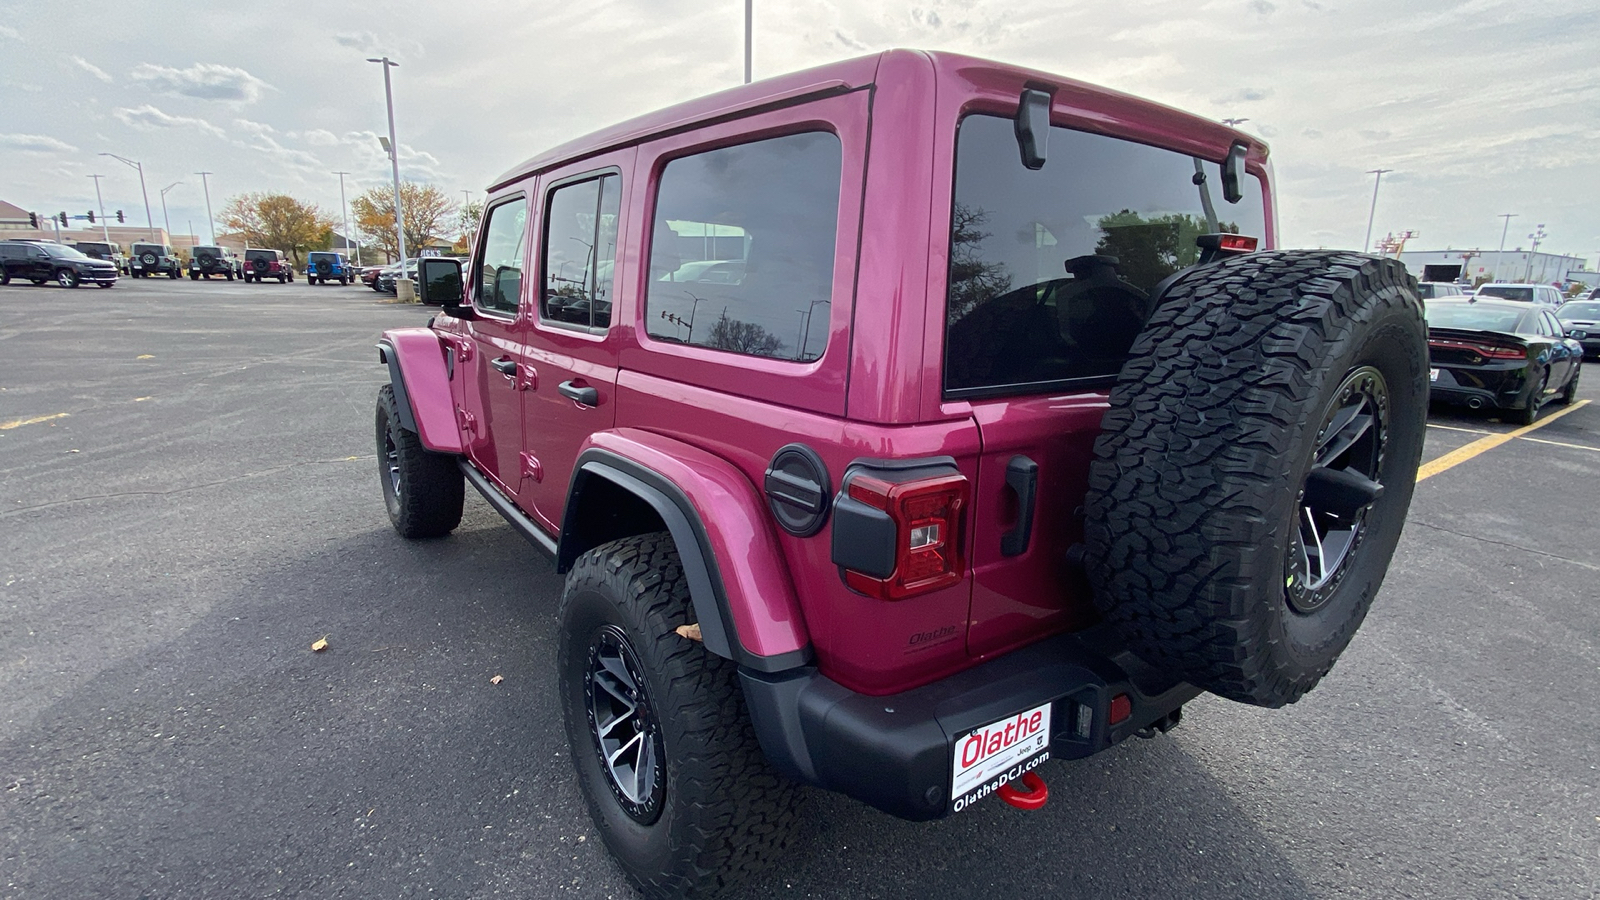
<point x="663" y="746"/>
<point x="423" y="491"/>
<point x="5" y="276"/>
<point x="1530" y="413"/>
<point x="1570" y="393"/>
<point x="1255" y="468"/>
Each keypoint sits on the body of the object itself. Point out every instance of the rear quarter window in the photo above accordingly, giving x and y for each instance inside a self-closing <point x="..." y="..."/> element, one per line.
<point x="1052" y="270"/>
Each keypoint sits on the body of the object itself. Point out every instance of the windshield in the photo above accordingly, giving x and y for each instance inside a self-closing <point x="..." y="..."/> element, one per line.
<point x="1428" y="290"/>
<point x="317" y="256"/>
<point x="93" y="248"/>
<point x="61" y="252"/>
<point x="1052" y="269"/>
<point x="1582" y="310"/>
<point x="1476" y="317"/>
<point x="1509" y="292"/>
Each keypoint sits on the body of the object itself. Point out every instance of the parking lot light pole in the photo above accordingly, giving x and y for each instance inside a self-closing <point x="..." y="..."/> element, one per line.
<point x="104" y="231"/>
<point x="1507" y="227"/>
<point x="149" y="220"/>
<point x="1374" y="211"/>
<point x="748" y="15"/>
<point x="394" y="159"/>
<point x="167" y="223"/>
<point x="344" y="210"/>
<point x="204" y="184"/>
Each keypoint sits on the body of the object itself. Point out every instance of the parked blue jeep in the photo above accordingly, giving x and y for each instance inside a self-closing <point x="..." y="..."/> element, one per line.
<point x="323" y="267"/>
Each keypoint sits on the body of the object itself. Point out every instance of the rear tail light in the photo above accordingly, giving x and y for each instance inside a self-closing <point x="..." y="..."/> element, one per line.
<point x="1217" y="245"/>
<point x="1121" y="709"/>
<point x="907" y="540"/>
<point x="1487" y="351"/>
<point x="1237" y="243"/>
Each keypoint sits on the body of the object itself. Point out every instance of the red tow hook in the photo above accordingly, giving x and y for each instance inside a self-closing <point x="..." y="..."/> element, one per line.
<point x="1031" y="795"/>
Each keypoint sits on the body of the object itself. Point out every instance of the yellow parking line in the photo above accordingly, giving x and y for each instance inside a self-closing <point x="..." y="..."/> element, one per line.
<point x="1484" y="444"/>
<point x="1462" y="430"/>
<point x="18" y="423"/>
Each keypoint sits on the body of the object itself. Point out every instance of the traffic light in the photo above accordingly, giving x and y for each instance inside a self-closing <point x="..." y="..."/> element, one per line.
<point x="62" y="218"/>
<point x="119" y="215"/>
<point x="91" y="217"/>
<point x="33" y="220"/>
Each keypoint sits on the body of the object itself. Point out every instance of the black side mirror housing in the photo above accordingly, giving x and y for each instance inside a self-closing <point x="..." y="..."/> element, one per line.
<point x="1033" y="127"/>
<point x="1233" y="174"/>
<point x="439" y="281"/>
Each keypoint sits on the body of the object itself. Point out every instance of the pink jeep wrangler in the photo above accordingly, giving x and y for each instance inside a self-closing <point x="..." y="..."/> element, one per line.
<point x="902" y="424"/>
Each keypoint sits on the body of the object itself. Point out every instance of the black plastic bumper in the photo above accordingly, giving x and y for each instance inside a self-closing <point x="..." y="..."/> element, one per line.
<point x="896" y="752"/>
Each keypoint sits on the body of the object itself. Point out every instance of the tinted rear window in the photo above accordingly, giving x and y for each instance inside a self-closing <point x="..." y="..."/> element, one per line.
<point x="1476" y="317"/>
<point x="1051" y="270"/>
<point x="1524" y="294"/>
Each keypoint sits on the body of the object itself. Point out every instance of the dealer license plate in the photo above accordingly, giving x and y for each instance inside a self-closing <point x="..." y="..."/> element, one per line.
<point x="1433" y="374"/>
<point x="988" y="757"/>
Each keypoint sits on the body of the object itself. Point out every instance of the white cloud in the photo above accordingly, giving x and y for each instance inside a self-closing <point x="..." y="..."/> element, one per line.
<point x="147" y="117"/>
<point x="206" y="81"/>
<point x="92" y="69"/>
<point x="12" y="33"/>
<point x="374" y="44"/>
<point x="35" y="143"/>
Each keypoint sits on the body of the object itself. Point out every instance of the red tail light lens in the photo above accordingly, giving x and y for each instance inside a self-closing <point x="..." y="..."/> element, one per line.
<point x="1237" y="243"/>
<point x="927" y="515"/>
<point x="1487" y="351"/>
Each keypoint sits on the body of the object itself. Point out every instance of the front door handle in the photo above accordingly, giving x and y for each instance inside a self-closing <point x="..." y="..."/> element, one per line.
<point x="588" y="396"/>
<point x="505" y="366"/>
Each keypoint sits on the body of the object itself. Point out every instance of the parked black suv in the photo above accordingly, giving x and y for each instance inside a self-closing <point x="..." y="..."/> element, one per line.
<point x="261" y="264"/>
<point x="209" y="261"/>
<point x="42" y="261"/>
<point x="153" y="259"/>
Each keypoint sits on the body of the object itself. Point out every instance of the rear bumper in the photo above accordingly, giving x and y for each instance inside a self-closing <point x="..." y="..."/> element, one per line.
<point x="896" y="752"/>
<point x="1495" y="388"/>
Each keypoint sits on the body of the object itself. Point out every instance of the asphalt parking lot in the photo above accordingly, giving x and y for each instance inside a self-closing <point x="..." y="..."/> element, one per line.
<point x="189" y="499"/>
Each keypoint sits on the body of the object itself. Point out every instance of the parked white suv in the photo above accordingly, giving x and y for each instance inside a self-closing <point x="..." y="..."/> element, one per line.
<point x="1542" y="294"/>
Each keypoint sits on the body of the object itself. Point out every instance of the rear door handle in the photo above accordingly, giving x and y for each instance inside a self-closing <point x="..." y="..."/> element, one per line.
<point x="588" y="396"/>
<point x="505" y="366"/>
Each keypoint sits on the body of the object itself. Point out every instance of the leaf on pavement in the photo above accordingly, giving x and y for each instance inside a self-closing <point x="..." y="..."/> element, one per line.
<point x="320" y="644"/>
<point x="496" y="679"/>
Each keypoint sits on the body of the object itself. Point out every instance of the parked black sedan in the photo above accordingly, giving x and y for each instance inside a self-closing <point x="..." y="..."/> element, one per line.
<point x="1500" y="354"/>
<point x="1581" y="318"/>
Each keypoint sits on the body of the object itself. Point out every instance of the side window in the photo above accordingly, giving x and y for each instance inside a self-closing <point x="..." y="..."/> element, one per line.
<point x="1552" y="325"/>
<point x="499" y="285"/>
<point x="741" y="252"/>
<point x="1052" y="269"/>
<point x="580" y="251"/>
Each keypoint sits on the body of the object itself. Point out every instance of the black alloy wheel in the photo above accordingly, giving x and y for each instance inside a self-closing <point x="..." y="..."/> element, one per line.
<point x="1530" y="413"/>
<point x="1339" y="489"/>
<point x="622" y="723"/>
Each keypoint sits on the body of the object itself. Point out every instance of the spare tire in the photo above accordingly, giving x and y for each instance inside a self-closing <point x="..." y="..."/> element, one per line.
<point x="149" y="259"/>
<point x="1255" y="467"/>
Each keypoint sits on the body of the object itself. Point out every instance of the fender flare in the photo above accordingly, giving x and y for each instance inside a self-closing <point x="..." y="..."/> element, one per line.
<point x="416" y="360"/>
<point x="751" y="618"/>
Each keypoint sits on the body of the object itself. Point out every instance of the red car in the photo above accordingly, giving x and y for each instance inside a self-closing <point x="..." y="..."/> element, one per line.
<point x="997" y="443"/>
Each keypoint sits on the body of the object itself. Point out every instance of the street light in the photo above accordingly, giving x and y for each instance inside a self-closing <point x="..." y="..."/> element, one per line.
<point x="1497" y="257"/>
<point x="207" y="186"/>
<point x="1537" y="237"/>
<point x="748" y="15"/>
<point x="344" y="209"/>
<point x="392" y="147"/>
<point x="104" y="231"/>
<point x="164" y="220"/>
<point x="1374" y="211"/>
<point x="149" y="220"/>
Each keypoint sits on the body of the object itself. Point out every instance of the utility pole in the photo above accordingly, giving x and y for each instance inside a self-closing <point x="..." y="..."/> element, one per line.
<point x="167" y="223"/>
<point x="1537" y="237"/>
<point x="344" y="209"/>
<point x="1374" y="211"/>
<point x="394" y="160"/>
<point x="748" y="15"/>
<point x="1497" y="257"/>
<point x="209" y="218"/>
<point x="104" y="231"/>
<point x="149" y="220"/>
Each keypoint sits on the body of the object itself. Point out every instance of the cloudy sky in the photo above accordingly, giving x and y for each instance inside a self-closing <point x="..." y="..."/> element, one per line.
<point x="1481" y="107"/>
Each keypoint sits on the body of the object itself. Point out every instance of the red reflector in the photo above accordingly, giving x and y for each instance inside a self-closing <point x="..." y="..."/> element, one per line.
<point x="927" y="514"/>
<point x="1121" y="709"/>
<point x="1237" y="243"/>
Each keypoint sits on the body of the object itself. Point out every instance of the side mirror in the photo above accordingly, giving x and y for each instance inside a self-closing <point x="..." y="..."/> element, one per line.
<point x="439" y="281"/>
<point x="1233" y="173"/>
<point x="1033" y="127"/>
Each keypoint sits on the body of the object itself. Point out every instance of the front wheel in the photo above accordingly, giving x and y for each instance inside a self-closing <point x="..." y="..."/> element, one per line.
<point x="106" y="284"/>
<point x="423" y="491"/>
<point x="172" y="274"/>
<point x="66" y="278"/>
<point x="664" y="750"/>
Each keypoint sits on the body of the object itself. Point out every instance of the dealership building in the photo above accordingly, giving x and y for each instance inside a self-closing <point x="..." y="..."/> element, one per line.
<point x="1502" y="265"/>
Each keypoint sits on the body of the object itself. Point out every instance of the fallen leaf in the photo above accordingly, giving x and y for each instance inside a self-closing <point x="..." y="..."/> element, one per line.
<point x="692" y="632"/>
<point x="496" y="679"/>
<point x="140" y="399"/>
<point x="145" y="356"/>
<point x="320" y="644"/>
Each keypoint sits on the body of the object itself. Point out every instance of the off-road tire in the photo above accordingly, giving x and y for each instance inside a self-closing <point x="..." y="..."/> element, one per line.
<point x="1570" y="392"/>
<point x="1193" y="508"/>
<point x="67" y="278"/>
<point x="428" y="499"/>
<point x="724" y="814"/>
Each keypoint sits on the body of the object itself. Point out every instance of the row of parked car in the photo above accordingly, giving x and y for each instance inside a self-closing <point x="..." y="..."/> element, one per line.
<point x="1508" y="347"/>
<point x="96" y="262"/>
